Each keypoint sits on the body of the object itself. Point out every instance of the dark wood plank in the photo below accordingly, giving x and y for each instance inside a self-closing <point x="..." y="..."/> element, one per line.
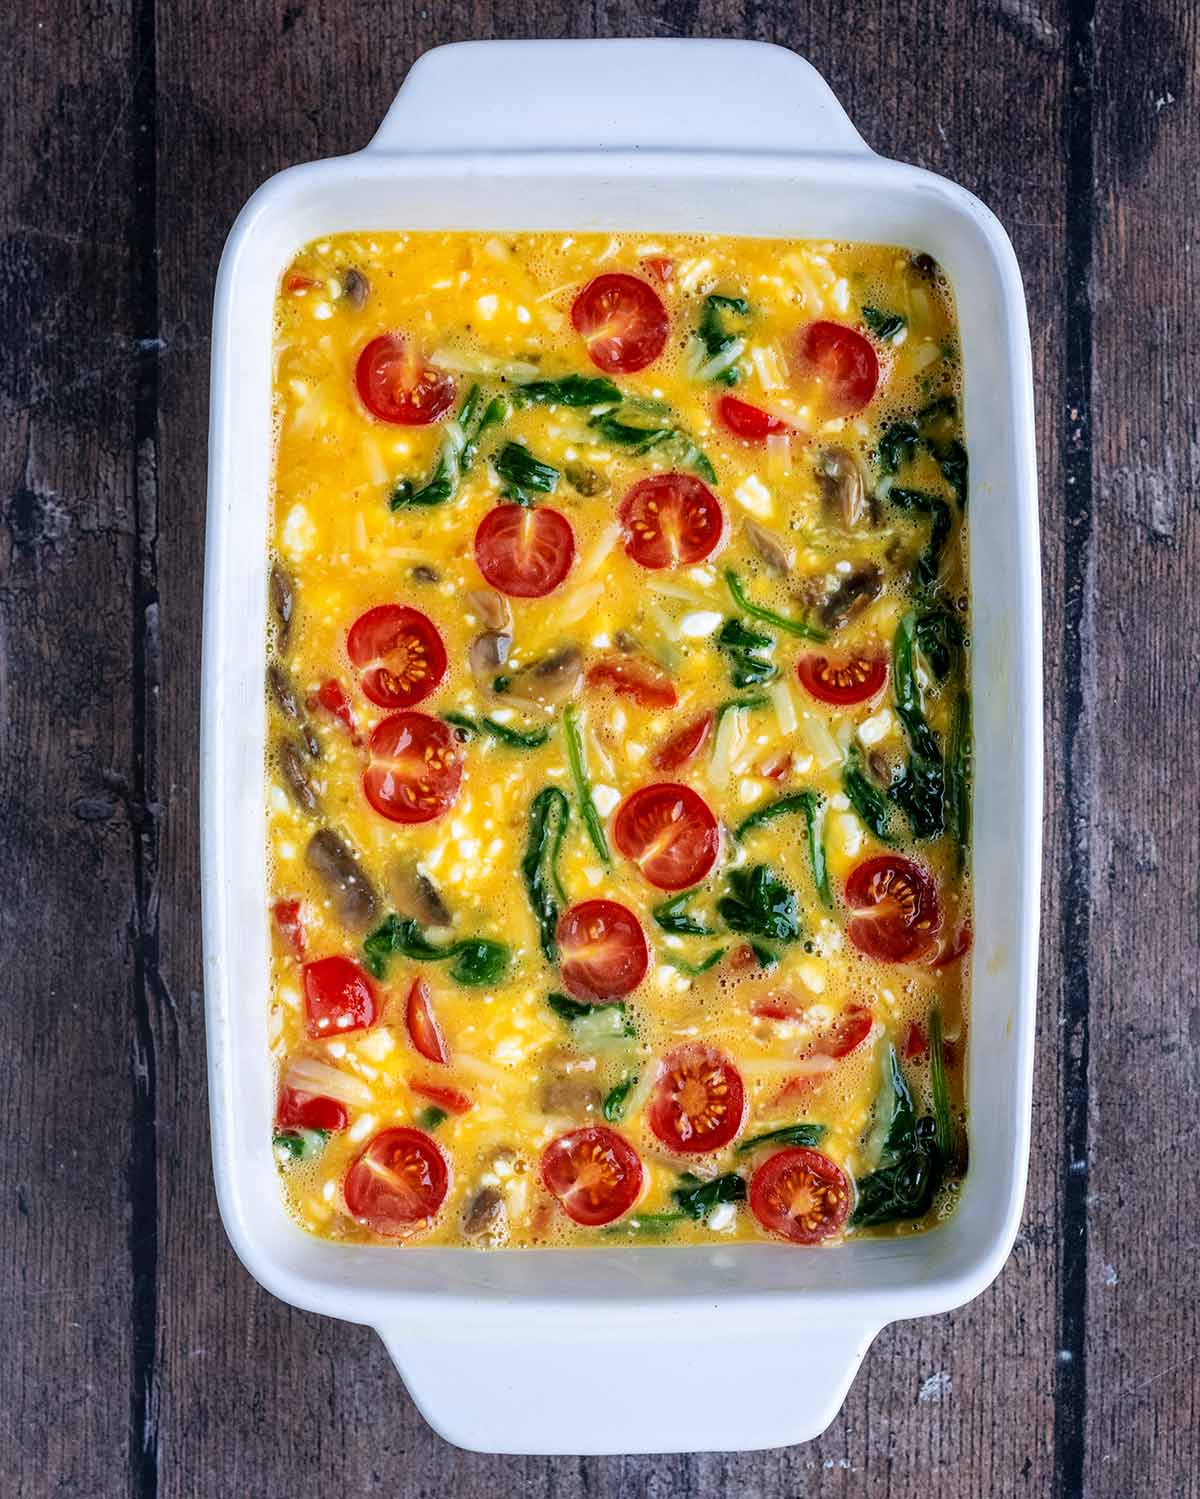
<point x="1143" y="688"/>
<point x="69" y="797"/>
<point x="251" y="1390"/>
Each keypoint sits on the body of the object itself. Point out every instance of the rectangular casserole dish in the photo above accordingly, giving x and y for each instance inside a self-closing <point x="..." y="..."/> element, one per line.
<point x="600" y="1350"/>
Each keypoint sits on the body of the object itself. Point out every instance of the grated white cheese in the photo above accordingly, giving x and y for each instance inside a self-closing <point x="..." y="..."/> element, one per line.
<point x="877" y="727"/>
<point x="753" y="495"/>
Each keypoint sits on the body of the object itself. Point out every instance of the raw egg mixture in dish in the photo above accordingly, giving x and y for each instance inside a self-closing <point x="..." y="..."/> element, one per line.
<point x="619" y="745"/>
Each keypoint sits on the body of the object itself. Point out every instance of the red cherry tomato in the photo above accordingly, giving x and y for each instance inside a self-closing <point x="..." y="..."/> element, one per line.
<point x="623" y="322"/>
<point x="660" y="267"/>
<point x="777" y="1007"/>
<point x="670" y="520"/>
<point x="916" y="1043"/>
<point x="683" y="746"/>
<point x="645" y="684"/>
<point x="523" y="552"/>
<point x="750" y="423"/>
<point x="603" y="953"/>
<point x="841" y="361"/>
<point x="332" y="697"/>
<point x="396" y="386"/>
<point x="289" y="918"/>
<point x="594" y="1172"/>
<point x="415" y="770"/>
<point x="899" y="916"/>
<point x="399" y="655"/>
<point x="398" y="1183"/>
<point x="338" y="997"/>
<point x="950" y="952"/>
<point x="423" y="1030"/>
<point x="851" y="679"/>
<point x="669" y="833"/>
<point x="449" y="1099"/>
<point x="699" y="1102"/>
<point x="800" y="1195"/>
<point x="296" y="1110"/>
<point x="297" y="281"/>
<point x="848" y="1031"/>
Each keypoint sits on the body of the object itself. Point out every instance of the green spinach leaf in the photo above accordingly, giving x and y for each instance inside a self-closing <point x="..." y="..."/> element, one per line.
<point x="571" y="390"/>
<point x="672" y="917"/>
<point x="524" y="475"/>
<point x="696" y="1198"/>
<point x="759" y="904"/>
<point x="790" y="1134"/>
<point x="884" y="325"/>
<point x="782" y="622"/>
<point x="549" y="813"/>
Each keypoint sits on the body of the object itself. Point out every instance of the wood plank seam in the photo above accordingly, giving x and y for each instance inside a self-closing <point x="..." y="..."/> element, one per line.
<point x="1070" y="1390"/>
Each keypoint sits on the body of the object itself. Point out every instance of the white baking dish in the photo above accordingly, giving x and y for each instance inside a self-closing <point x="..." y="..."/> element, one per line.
<point x="607" y="1350"/>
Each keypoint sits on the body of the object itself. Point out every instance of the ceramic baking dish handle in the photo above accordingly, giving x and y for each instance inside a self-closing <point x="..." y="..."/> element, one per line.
<point x="668" y="94"/>
<point x="624" y="1389"/>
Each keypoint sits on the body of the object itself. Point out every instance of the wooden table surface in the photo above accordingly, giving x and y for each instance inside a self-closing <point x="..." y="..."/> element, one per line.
<point x="140" y="1359"/>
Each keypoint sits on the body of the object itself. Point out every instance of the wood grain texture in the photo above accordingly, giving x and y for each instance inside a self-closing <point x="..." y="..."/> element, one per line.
<point x="147" y="1363"/>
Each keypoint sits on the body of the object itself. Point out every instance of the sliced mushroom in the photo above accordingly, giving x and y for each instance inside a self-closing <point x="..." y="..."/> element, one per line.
<point x="487" y="654"/>
<point x="425" y="574"/>
<point x="485" y="1213"/>
<point x="585" y="480"/>
<point x="881" y="767"/>
<point x="571" y="1096"/>
<point x="284" y="694"/>
<point x="414" y="894"/>
<point x="842" y="482"/>
<point x="628" y="643"/>
<point x="336" y="865"/>
<point x="854" y="592"/>
<point x="283" y="598"/>
<point x="291" y="763"/>
<point x="553" y="680"/>
<point x="779" y="557"/>
<point x="355" y="288"/>
<point x="491" y="607"/>
<point x="925" y="264"/>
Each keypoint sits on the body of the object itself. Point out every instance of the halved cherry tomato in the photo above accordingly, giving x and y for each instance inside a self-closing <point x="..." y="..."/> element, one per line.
<point x="777" y="1007"/>
<point x="623" y="322"/>
<point x="594" y="1172"/>
<point x="743" y="958"/>
<point x="669" y="833"/>
<point x="950" y="952"/>
<point x="338" y="997"/>
<point x="916" y="1043"/>
<point x="645" y="684"/>
<point x="398" y="1182"/>
<point x="670" y="520"/>
<point x="289" y="918"/>
<point x="603" y="953"/>
<point x="423" y="1030"/>
<point x="683" y="746"/>
<point x="750" y="423"/>
<point x="415" y="770"/>
<point x="449" y="1099"/>
<point x="399" y="655"/>
<point x="331" y="696"/>
<point x="899" y="912"/>
<point x="660" y="267"/>
<point x="850" y="679"/>
<point x="524" y="552"/>
<point x="296" y="1110"/>
<point x="848" y="1031"/>
<point x="841" y="361"/>
<point x="800" y="1195"/>
<point x="296" y="281"/>
<point x="699" y="1102"/>
<point x="396" y="386"/>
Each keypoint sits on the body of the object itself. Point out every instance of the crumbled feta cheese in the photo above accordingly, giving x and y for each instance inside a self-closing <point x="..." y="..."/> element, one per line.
<point x="721" y="1218"/>
<point x="753" y="495"/>
<point x="336" y="1049"/>
<point x="299" y="533"/>
<point x="486" y="306"/>
<point x="699" y="624"/>
<point x="322" y="310"/>
<point x="848" y="832"/>
<point x="877" y="727"/>
<point x="812" y="976"/>
<point x="362" y="1127"/>
<point x="605" y="798"/>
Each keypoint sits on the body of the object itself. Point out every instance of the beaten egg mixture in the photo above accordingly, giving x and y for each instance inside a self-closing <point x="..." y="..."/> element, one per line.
<point x="540" y="975"/>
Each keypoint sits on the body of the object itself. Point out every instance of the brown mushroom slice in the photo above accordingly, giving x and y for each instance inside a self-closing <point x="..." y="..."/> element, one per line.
<point x="355" y="288"/>
<point x="414" y="894"/>
<point x="487" y="654"/>
<point x="484" y="1214"/>
<point x="283" y="600"/>
<point x="585" y="480"/>
<point x="844" y="487"/>
<point x="551" y="681"/>
<point x="336" y="865"/>
<point x="570" y="1096"/>
<point x="423" y="573"/>
<point x="491" y="607"/>
<point x="778" y="556"/>
<point x="291" y="765"/>
<point x="854" y="592"/>
<point x="284" y="693"/>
